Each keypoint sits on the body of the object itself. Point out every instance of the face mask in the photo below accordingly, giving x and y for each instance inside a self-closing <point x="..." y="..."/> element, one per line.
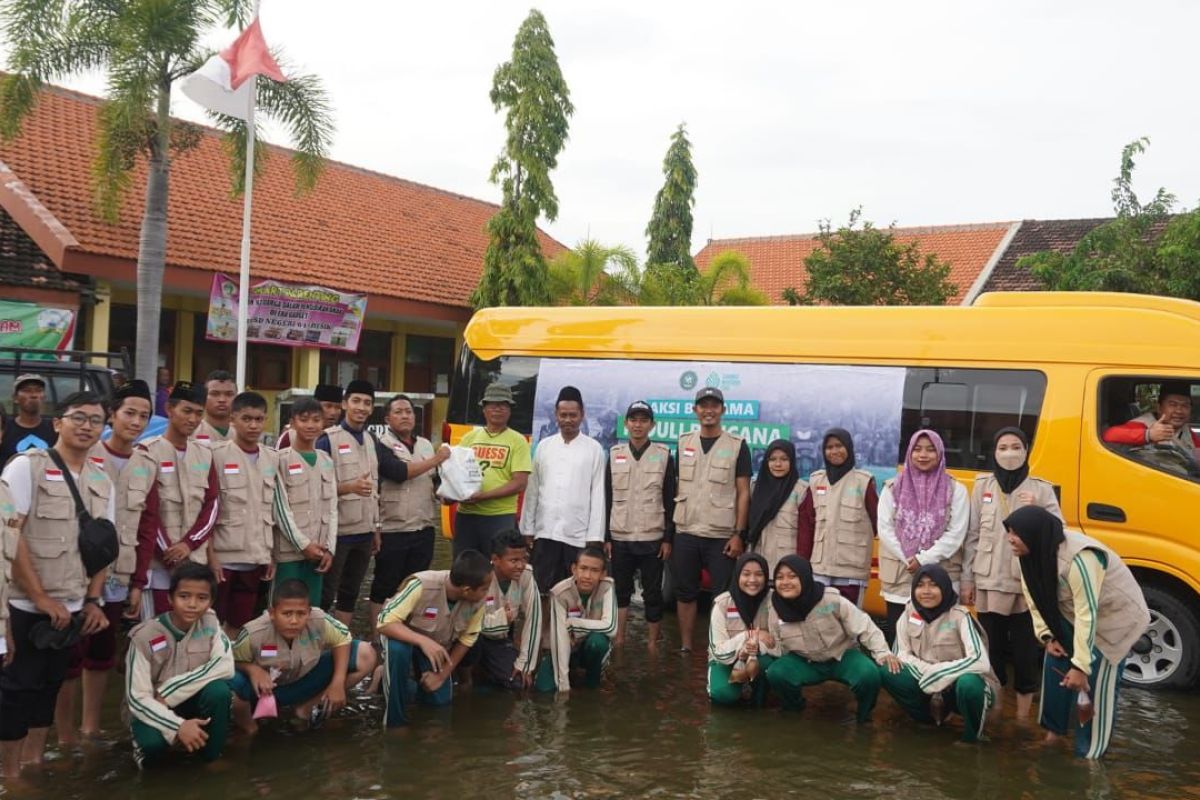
<point x="1010" y="459"/>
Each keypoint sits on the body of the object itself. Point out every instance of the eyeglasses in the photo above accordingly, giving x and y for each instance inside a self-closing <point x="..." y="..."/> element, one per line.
<point x="84" y="420"/>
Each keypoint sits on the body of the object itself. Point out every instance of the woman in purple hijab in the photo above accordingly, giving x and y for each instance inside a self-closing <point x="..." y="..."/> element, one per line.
<point x="923" y="519"/>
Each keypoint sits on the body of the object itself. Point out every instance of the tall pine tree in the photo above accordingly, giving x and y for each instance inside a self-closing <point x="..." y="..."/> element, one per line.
<point x="670" y="228"/>
<point x="531" y="90"/>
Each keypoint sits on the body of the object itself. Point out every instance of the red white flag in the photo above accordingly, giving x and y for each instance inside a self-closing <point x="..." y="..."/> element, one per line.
<point x="223" y="84"/>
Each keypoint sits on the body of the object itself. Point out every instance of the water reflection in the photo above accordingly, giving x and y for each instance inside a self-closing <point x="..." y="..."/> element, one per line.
<point x="650" y="732"/>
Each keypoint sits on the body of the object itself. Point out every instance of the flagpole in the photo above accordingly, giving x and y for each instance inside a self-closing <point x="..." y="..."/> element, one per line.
<point x="247" y="206"/>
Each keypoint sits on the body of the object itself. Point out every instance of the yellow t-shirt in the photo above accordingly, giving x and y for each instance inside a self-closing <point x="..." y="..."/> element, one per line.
<point x="499" y="456"/>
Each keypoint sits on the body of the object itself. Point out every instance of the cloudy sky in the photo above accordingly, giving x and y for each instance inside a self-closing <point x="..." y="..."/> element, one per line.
<point x="923" y="113"/>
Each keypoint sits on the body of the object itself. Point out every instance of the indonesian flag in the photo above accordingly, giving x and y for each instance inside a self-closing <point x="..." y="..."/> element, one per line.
<point x="223" y="84"/>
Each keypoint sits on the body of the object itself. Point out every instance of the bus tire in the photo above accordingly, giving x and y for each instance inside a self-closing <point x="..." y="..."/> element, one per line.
<point x="1168" y="655"/>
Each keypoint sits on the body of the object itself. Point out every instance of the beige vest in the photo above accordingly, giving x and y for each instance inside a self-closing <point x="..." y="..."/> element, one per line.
<point x="778" y="539"/>
<point x="636" y="513"/>
<point x="11" y="534"/>
<point x="293" y="659"/>
<point x="182" y="485"/>
<point x="351" y="460"/>
<point x="1122" y="615"/>
<point x="566" y="594"/>
<point x="129" y="511"/>
<point x="844" y="535"/>
<point x="207" y="434"/>
<point x="310" y="492"/>
<point x="411" y="505"/>
<point x="245" y="525"/>
<point x="432" y="615"/>
<point x="818" y="637"/>
<point x="51" y="529"/>
<point x="495" y="619"/>
<point x="939" y="641"/>
<point x="727" y="611"/>
<point x="169" y="658"/>
<point x="706" y="501"/>
<point x="987" y="554"/>
<point x="894" y="577"/>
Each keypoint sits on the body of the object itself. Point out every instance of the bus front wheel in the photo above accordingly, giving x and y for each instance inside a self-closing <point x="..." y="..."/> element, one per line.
<point x="1167" y="656"/>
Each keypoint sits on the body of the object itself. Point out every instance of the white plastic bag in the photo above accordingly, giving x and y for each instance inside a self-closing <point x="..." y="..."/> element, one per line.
<point x="460" y="474"/>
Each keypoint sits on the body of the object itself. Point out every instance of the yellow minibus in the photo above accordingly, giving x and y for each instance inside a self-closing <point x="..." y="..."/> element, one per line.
<point x="1064" y="367"/>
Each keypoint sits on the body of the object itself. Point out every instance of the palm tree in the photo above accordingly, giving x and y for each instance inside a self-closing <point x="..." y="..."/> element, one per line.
<point x="145" y="47"/>
<point x="593" y="274"/>
<point x="725" y="282"/>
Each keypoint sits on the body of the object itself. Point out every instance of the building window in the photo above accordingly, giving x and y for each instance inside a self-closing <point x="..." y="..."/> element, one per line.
<point x="268" y="366"/>
<point x="428" y="362"/>
<point x="122" y="332"/>
<point x="371" y="363"/>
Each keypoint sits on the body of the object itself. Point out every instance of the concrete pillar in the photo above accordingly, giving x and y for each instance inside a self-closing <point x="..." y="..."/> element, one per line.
<point x="98" y="321"/>
<point x="185" y="346"/>
<point x="306" y="368"/>
<point x="399" y="349"/>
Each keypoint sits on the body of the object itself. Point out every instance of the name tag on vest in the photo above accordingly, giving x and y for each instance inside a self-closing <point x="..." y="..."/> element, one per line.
<point x="574" y="612"/>
<point x="268" y="651"/>
<point x="987" y="497"/>
<point x="232" y="469"/>
<point x="345" y="449"/>
<point x="295" y="469"/>
<point x="431" y="612"/>
<point x="54" y="475"/>
<point x="158" y="643"/>
<point x="166" y="467"/>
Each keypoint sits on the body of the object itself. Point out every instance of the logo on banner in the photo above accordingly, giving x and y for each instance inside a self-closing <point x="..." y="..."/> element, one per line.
<point x="688" y="380"/>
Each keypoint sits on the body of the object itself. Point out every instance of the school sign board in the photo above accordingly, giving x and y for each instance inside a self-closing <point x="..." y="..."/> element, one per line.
<point x="287" y="314"/>
<point x="763" y="402"/>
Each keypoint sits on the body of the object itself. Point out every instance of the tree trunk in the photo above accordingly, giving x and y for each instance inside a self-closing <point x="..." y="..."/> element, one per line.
<point x="152" y="245"/>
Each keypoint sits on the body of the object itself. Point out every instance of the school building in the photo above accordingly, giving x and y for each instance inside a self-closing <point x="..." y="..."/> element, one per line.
<point x="416" y="251"/>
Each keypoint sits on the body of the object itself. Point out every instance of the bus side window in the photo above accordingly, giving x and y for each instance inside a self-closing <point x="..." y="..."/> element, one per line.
<point x="967" y="406"/>
<point x="1130" y="410"/>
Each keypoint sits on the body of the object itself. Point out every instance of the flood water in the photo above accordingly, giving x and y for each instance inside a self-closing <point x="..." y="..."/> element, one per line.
<point x="649" y="732"/>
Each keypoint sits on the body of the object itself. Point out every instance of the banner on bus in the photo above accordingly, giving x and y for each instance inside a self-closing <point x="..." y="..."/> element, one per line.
<point x="763" y="402"/>
<point x="287" y="314"/>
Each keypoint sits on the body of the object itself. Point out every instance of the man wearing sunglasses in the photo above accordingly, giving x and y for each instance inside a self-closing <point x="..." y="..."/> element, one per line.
<point x="50" y="591"/>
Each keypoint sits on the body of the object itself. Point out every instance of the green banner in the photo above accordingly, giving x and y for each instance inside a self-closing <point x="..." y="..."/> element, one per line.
<point x="31" y="325"/>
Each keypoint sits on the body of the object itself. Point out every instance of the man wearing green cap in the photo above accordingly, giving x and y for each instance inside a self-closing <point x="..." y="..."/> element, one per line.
<point x="503" y="457"/>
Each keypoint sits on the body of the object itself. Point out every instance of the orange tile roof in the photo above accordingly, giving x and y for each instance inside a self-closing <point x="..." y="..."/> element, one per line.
<point x="777" y="262"/>
<point x="359" y="230"/>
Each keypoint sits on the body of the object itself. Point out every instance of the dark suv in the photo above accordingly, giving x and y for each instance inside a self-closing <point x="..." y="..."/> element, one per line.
<point x="65" y="371"/>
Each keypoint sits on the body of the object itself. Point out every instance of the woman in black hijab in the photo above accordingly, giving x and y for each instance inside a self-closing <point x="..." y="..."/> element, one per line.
<point x="1089" y="611"/>
<point x="838" y="517"/>
<point x="775" y="502"/>
<point x="991" y="579"/>
<point x="946" y="657"/>
<point x="739" y="641"/>
<point x="819" y="635"/>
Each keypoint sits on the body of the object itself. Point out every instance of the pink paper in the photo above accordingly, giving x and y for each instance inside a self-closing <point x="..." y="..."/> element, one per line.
<point x="266" y="708"/>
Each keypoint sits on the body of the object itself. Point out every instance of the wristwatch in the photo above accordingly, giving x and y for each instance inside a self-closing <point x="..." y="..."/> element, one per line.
<point x="98" y="602"/>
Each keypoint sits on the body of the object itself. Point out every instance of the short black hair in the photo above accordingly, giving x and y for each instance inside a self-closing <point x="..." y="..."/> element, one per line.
<point x="77" y="399"/>
<point x="470" y="570"/>
<point x="306" y="405"/>
<point x="591" y="551"/>
<point x="510" y="539"/>
<point x="191" y="571"/>
<point x="291" y="589"/>
<point x="1180" y="388"/>
<point x="403" y="397"/>
<point x="246" y="400"/>
<point x="221" y="376"/>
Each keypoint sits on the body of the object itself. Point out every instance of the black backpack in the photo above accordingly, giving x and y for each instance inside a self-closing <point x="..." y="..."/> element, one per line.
<point x="98" y="543"/>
